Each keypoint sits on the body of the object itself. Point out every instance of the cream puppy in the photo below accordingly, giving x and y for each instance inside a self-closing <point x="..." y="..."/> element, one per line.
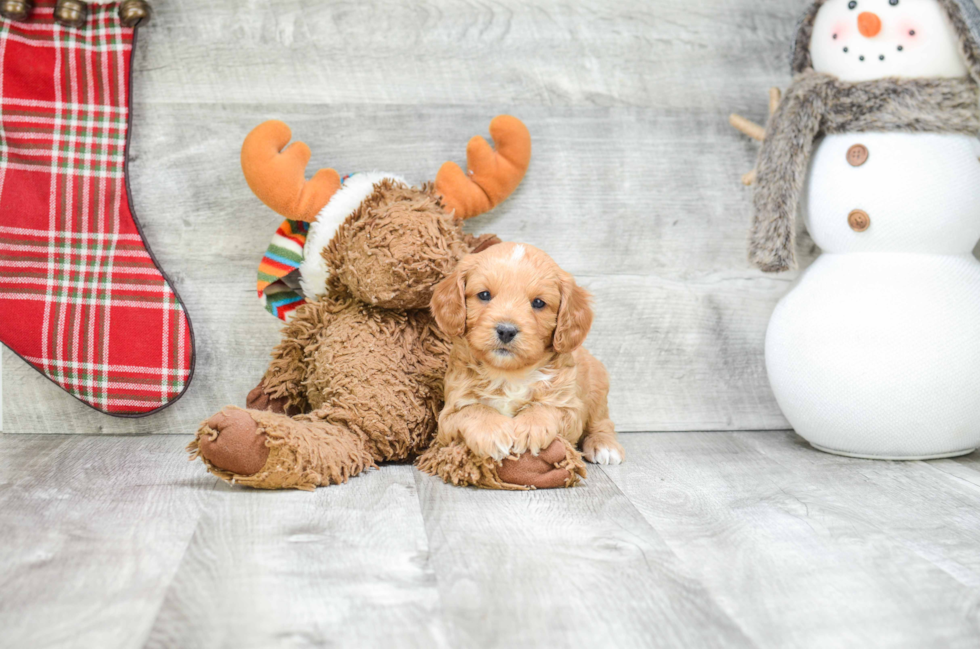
<point x="518" y="376"/>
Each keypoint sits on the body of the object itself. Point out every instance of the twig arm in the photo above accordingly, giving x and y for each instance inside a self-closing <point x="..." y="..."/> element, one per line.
<point x="775" y="96"/>
<point x="747" y="127"/>
<point x="755" y="131"/>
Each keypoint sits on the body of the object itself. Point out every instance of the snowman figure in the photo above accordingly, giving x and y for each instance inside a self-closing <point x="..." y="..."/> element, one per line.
<point x="875" y="350"/>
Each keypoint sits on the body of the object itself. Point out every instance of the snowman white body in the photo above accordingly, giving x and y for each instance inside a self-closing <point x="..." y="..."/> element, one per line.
<point x="875" y="351"/>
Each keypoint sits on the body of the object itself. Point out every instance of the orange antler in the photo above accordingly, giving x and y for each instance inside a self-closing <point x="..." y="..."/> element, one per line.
<point x="493" y="175"/>
<point x="277" y="175"/>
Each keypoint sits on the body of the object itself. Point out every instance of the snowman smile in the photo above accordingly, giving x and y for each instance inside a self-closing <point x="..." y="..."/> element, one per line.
<point x="864" y="57"/>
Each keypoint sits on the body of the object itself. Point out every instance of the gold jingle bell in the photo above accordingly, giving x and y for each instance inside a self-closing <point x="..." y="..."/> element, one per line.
<point x="131" y="12"/>
<point x="71" y="13"/>
<point x="16" y="9"/>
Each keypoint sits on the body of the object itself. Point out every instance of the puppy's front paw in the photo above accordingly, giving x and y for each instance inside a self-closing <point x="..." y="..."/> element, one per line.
<point x="603" y="451"/>
<point x="490" y="441"/>
<point x="531" y="437"/>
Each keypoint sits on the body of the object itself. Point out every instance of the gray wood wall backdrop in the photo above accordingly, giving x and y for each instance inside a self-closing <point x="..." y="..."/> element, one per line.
<point x="633" y="186"/>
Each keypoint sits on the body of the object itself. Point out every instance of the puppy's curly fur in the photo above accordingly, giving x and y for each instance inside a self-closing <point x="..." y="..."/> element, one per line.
<point x="518" y="376"/>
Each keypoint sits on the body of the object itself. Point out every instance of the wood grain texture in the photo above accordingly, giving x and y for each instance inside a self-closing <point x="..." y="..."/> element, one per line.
<point x="697" y="540"/>
<point x="806" y="549"/>
<point x="634" y="183"/>
<point x="664" y="54"/>
<point x="346" y="566"/>
<point x="577" y="567"/>
<point x="92" y="529"/>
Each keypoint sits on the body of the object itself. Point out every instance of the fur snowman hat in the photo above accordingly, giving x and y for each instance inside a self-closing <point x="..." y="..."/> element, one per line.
<point x="963" y="14"/>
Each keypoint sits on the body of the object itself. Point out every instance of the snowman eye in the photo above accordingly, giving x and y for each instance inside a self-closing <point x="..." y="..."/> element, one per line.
<point x="852" y="4"/>
<point x="893" y="3"/>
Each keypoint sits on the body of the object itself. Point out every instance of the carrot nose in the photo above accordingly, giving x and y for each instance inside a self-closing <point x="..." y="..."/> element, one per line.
<point x="869" y="24"/>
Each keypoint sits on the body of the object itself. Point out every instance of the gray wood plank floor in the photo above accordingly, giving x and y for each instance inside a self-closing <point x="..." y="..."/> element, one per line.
<point x="698" y="540"/>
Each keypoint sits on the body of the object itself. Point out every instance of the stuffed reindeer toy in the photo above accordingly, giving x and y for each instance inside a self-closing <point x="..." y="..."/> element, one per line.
<point x="358" y="376"/>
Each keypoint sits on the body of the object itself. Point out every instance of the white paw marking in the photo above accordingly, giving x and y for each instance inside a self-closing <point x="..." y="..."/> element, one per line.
<point x="606" y="455"/>
<point x="503" y="450"/>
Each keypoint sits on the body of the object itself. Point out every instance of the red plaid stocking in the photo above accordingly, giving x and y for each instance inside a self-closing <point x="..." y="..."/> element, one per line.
<point x="81" y="297"/>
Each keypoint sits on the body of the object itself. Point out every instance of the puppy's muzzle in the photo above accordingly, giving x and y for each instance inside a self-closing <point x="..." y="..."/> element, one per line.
<point x="506" y="332"/>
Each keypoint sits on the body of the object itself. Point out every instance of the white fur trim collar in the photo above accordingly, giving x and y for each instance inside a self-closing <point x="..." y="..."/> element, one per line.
<point x="313" y="271"/>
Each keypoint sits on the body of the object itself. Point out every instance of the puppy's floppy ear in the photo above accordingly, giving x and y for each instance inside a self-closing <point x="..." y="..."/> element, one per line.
<point x="574" y="316"/>
<point x="448" y="303"/>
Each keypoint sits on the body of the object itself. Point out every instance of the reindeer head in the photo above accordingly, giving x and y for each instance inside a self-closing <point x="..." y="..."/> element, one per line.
<point x="375" y="237"/>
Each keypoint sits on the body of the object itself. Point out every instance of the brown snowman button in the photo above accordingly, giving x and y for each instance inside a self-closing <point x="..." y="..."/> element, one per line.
<point x="857" y="155"/>
<point x="859" y="220"/>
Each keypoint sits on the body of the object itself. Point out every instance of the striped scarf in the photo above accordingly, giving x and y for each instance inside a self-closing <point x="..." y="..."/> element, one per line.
<point x="278" y="282"/>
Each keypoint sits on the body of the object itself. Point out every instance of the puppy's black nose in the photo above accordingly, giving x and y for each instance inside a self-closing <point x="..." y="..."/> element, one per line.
<point x="506" y="332"/>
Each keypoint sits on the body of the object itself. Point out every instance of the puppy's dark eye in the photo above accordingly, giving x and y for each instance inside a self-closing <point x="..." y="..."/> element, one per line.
<point x="484" y="295"/>
<point x="538" y="303"/>
<point x="893" y="3"/>
<point x="852" y="4"/>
